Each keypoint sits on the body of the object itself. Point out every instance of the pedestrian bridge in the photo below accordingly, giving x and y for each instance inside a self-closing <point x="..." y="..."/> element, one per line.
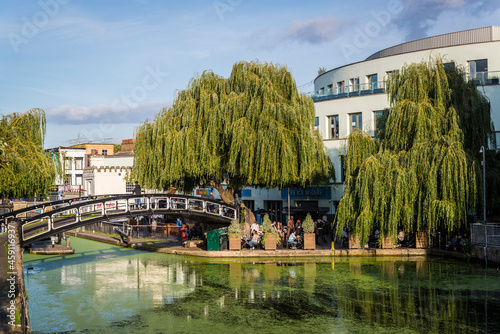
<point x="41" y="221"/>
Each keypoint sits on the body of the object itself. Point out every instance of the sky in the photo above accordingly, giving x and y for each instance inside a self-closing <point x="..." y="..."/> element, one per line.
<point x="101" y="68"/>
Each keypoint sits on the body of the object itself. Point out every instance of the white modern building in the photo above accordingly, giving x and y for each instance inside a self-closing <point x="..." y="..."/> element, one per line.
<point x="353" y="95"/>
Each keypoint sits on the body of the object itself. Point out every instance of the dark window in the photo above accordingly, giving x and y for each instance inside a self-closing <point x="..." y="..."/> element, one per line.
<point x="333" y="131"/>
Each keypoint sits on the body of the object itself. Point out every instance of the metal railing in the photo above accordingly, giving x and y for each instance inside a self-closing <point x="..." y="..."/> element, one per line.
<point x="348" y="91"/>
<point x="487" y="235"/>
<point x="486" y="78"/>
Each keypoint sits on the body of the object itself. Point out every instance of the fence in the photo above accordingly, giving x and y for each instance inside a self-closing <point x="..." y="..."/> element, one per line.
<point x="487" y="235"/>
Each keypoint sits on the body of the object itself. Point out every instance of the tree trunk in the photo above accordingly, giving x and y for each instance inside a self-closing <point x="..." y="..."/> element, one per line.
<point x="227" y="195"/>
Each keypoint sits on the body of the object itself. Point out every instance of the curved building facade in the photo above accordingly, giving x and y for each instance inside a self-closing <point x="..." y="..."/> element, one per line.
<point x="354" y="95"/>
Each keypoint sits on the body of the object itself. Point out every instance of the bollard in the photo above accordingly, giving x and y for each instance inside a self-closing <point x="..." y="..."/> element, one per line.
<point x="67" y="241"/>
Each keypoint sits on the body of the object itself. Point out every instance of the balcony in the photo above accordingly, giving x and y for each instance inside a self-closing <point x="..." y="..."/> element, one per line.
<point x="485" y="78"/>
<point x="349" y="91"/>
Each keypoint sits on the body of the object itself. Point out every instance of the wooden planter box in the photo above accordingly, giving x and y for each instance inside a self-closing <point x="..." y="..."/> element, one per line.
<point x="422" y="240"/>
<point x="387" y="242"/>
<point x="270" y="243"/>
<point x="354" y="241"/>
<point x="234" y="242"/>
<point x="309" y="241"/>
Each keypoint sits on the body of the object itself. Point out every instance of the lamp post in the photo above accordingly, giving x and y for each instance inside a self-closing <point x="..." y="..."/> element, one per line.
<point x="482" y="150"/>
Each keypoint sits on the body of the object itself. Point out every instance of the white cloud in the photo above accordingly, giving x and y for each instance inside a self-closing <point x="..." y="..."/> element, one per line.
<point x="72" y="114"/>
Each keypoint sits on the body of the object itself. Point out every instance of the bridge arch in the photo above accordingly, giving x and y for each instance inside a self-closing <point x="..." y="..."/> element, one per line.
<point x="61" y="216"/>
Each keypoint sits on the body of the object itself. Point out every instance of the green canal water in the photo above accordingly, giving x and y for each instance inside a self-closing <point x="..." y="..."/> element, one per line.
<point x="108" y="289"/>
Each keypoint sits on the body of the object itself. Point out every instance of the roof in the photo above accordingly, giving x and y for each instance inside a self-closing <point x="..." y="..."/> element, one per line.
<point x="472" y="36"/>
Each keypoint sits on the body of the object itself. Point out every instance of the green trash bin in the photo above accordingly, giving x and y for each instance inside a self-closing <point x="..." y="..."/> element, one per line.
<point x="224" y="240"/>
<point x="213" y="240"/>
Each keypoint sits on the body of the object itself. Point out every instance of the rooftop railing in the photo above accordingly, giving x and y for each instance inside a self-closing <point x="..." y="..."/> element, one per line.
<point x="349" y="91"/>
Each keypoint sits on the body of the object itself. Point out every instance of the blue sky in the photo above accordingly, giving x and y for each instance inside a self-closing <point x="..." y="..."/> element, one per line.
<point x="100" y="68"/>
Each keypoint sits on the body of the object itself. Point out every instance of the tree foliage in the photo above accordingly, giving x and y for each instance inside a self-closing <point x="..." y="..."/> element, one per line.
<point x="251" y="129"/>
<point x="418" y="175"/>
<point x="25" y="169"/>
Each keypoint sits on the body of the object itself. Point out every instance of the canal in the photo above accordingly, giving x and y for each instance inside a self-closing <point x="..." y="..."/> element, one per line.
<point x="108" y="289"/>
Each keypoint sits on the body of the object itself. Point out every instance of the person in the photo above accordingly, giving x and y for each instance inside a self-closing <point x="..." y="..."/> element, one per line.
<point x="292" y="239"/>
<point x="255" y="239"/>
<point x="237" y="200"/>
<point x="298" y="229"/>
<point x="319" y="229"/>
<point x="153" y="227"/>
<point x="290" y="226"/>
<point x="401" y="236"/>
<point x="377" y="233"/>
<point x="179" y="225"/>
<point x="275" y="229"/>
<point x="254" y="227"/>
<point x="211" y="195"/>
<point x="137" y="191"/>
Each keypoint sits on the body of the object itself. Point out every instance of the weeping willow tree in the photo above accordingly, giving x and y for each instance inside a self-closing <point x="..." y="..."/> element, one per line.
<point x="252" y="129"/>
<point x="25" y="169"/>
<point x="418" y="176"/>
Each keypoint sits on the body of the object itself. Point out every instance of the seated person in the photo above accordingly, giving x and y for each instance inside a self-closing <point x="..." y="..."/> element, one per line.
<point x="275" y="229"/>
<point x="255" y="239"/>
<point x="401" y="236"/>
<point x="292" y="239"/>
<point x="298" y="230"/>
<point x="254" y="227"/>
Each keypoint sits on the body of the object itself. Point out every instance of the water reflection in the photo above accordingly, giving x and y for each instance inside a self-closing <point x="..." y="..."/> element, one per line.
<point x="154" y="293"/>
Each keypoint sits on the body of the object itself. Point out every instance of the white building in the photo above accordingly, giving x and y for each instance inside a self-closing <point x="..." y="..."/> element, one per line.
<point x="351" y="96"/>
<point x="72" y="160"/>
<point x="106" y="174"/>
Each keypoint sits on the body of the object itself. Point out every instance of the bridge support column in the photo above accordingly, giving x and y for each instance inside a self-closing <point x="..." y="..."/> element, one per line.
<point x="16" y="293"/>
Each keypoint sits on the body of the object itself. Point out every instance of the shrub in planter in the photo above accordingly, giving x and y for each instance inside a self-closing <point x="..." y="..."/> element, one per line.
<point x="234" y="235"/>
<point x="309" y="236"/>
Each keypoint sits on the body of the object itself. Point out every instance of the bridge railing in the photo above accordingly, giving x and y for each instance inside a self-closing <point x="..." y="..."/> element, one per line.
<point x="79" y="212"/>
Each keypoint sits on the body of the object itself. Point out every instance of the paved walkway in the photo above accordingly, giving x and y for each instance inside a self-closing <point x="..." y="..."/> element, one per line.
<point x="173" y="246"/>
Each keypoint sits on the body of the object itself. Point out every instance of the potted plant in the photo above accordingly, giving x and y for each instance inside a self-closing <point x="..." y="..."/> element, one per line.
<point x="422" y="240"/>
<point x="309" y="236"/>
<point x="270" y="239"/>
<point x="234" y="235"/>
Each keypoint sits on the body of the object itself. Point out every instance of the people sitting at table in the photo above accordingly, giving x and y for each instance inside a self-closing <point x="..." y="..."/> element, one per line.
<point x="255" y="239"/>
<point x="292" y="239"/>
<point x="274" y="228"/>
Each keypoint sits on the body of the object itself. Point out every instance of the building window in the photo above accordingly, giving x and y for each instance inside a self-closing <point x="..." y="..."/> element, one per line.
<point x="378" y="117"/>
<point x="390" y="74"/>
<point x="478" y="69"/>
<point x="78" y="180"/>
<point x="316" y="123"/>
<point x="333" y="131"/>
<point x="67" y="180"/>
<point x="356" y="121"/>
<point x="372" y="80"/>
<point x="129" y="187"/>
<point x="250" y="204"/>
<point x="104" y="152"/>
<point x="330" y="89"/>
<point x="275" y="209"/>
<point x="340" y="87"/>
<point x="354" y="84"/>
<point x="68" y="164"/>
<point x="78" y="163"/>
